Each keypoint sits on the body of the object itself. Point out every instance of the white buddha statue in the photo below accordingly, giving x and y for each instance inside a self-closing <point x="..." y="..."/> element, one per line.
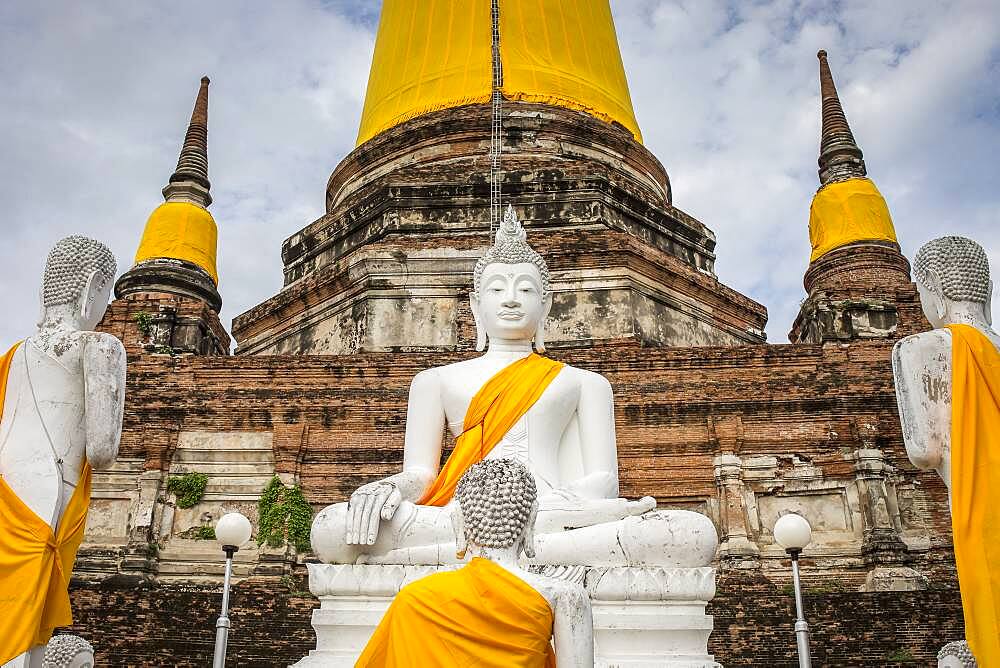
<point x="555" y="419"/>
<point x="62" y="393"/>
<point x="948" y="392"/>
<point x="952" y="275"/>
<point x="491" y="612"/>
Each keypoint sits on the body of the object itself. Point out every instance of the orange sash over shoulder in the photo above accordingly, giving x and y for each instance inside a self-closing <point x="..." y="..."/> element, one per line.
<point x="975" y="486"/>
<point x="480" y="615"/>
<point x="35" y="564"/>
<point x="497" y="407"/>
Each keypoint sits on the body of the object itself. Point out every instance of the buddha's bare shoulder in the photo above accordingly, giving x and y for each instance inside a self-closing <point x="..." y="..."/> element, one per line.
<point x="565" y="596"/>
<point x="586" y="380"/>
<point x="919" y="349"/>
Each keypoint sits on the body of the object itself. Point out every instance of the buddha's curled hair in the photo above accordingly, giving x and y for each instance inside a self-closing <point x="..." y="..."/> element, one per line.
<point x="960" y="263"/>
<point x="496" y="496"/>
<point x="69" y="265"/>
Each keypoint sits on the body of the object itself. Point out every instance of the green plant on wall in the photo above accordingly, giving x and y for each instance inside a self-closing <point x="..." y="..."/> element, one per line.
<point x="189" y="488"/>
<point x="284" y="516"/>
<point x="144" y="321"/>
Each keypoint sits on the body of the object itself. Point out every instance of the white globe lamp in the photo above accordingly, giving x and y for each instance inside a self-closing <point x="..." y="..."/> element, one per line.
<point x="792" y="532"/>
<point x="232" y="531"/>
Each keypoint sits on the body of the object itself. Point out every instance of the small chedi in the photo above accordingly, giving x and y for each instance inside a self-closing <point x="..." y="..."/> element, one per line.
<point x="555" y="419"/>
<point x="490" y="612"/>
<point x="948" y="391"/>
<point x="62" y="394"/>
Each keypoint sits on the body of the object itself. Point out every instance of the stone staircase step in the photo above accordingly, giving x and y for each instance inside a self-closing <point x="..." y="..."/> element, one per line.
<point x="223" y="468"/>
<point x="203" y="569"/>
<point x="262" y="456"/>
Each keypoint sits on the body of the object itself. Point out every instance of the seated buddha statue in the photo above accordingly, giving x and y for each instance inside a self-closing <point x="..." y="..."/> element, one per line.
<point x="62" y="396"/>
<point x="491" y="612"/>
<point x="948" y="392"/>
<point x="511" y="402"/>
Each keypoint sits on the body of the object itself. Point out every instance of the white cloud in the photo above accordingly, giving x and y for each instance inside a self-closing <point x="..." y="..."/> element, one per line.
<point x="96" y="100"/>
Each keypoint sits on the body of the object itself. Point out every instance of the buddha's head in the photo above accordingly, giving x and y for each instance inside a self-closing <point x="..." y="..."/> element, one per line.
<point x="497" y="506"/>
<point x="950" y="272"/>
<point x="956" y="654"/>
<point x="77" y="283"/>
<point x="511" y="296"/>
<point x="67" y="651"/>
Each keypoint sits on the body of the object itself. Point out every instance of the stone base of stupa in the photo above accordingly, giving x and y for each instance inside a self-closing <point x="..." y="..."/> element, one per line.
<point x="643" y="617"/>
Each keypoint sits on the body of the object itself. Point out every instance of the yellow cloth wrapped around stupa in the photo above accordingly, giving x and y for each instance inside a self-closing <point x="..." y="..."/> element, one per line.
<point x="437" y="54"/>
<point x="847" y="211"/>
<point x="481" y="615"/>
<point x="497" y="407"/>
<point x="181" y="231"/>
<point x="35" y="563"/>
<point x="975" y="486"/>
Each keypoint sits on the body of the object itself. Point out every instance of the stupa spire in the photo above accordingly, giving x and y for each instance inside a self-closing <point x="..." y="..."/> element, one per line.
<point x="177" y="252"/>
<point x="189" y="182"/>
<point x="840" y="157"/>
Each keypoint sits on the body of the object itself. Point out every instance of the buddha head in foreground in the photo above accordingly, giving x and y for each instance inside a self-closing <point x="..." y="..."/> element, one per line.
<point x="511" y="296"/>
<point x="67" y="651"/>
<point x="953" y="278"/>
<point x="496" y="509"/>
<point x="77" y="283"/>
<point x="956" y="654"/>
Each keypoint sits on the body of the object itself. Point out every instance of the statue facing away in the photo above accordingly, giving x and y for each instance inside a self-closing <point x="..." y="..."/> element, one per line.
<point x="491" y="612"/>
<point x="62" y="394"/>
<point x="948" y="391"/>
<point x="512" y="403"/>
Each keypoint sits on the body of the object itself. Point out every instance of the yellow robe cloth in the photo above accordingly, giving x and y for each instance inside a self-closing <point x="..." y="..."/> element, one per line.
<point x="497" y="407"/>
<point x="480" y="615"/>
<point x="437" y="54"/>
<point x="35" y="564"/>
<point x="181" y="231"/>
<point x="975" y="486"/>
<point x="847" y="211"/>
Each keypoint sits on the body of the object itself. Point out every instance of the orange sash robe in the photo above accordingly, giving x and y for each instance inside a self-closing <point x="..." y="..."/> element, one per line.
<point x="35" y="564"/>
<point x="975" y="487"/>
<point x="497" y="407"/>
<point x="481" y="615"/>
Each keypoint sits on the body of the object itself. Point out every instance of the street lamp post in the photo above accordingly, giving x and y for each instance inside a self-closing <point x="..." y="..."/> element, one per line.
<point x="233" y="531"/>
<point x="793" y="533"/>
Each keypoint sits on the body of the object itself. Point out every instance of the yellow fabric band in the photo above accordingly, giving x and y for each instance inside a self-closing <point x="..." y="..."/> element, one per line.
<point x="845" y="212"/>
<point x="181" y="231"/>
<point x="497" y="407"/>
<point x="975" y="486"/>
<point x="437" y="54"/>
<point x="481" y="615"/>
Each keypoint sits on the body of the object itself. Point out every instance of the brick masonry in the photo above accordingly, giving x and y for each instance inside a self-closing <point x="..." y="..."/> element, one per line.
<point x="175" y="625"/>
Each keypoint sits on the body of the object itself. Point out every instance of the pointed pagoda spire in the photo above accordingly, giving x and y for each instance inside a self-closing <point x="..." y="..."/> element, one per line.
<point x="189" y="182"/>
<point x="839" y="155"/>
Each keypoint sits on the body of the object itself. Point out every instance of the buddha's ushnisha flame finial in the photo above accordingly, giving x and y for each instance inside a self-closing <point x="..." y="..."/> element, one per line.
<point x="840" y="158"/>
<point x="192" y="165"/>
<point x="511" y="230"/>
<point x="511" y="247"/>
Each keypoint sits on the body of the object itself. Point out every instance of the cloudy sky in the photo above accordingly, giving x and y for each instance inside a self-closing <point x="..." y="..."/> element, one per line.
<point x="96" y="98"/>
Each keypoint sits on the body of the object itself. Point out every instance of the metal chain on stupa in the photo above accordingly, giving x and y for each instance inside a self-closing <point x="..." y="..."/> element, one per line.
<point x="496" y="137"/>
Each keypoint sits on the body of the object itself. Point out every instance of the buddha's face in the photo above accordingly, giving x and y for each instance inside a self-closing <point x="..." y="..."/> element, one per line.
<point x="510" y="303"/>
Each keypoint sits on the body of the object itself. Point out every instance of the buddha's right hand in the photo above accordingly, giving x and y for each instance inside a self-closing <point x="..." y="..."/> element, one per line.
<point x="370" y="503"/>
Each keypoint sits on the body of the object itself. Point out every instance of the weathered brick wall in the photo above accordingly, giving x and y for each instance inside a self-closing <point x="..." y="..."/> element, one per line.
<point x="791" y="399"/>
<point x="338" y="422"/>
<point x="131" y="624"/>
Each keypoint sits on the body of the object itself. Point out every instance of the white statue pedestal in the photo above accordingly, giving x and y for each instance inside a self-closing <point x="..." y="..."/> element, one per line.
<point x="643" y="617"/>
